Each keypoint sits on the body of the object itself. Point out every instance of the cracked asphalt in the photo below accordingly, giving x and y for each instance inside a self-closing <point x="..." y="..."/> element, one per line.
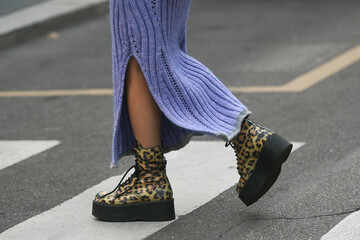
<point x="245" y="43"/>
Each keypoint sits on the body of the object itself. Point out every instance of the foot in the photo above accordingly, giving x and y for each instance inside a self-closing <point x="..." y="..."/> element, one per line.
<point x="146" y="195"/>
<point x="260" y="153"/>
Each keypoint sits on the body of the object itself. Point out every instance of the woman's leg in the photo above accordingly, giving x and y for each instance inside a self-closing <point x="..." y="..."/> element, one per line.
<point x="121" y="204"/>
<point x="145" y="115"/>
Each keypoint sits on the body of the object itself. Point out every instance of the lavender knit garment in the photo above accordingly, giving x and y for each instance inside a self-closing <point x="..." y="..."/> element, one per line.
<point x="192" y="99"/>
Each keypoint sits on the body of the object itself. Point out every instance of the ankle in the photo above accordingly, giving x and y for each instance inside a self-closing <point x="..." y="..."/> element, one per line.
<point x="147" y="144"/>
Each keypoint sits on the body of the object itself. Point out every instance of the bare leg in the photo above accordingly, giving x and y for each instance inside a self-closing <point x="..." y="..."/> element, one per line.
<point x="145" y="115"/>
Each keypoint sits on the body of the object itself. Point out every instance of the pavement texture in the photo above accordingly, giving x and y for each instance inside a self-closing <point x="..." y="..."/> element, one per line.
<point x="245" y="43"/>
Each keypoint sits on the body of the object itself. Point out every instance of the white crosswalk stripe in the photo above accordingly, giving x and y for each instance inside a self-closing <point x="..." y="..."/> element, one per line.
<point x="347" y="229"/>
<point x="12" y="152"/>
<point x="197" y="176"/>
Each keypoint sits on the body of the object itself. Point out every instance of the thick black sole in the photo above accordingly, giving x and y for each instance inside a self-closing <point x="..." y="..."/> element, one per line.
<point x="145" y="211"/>
<point x="274" y="153"/>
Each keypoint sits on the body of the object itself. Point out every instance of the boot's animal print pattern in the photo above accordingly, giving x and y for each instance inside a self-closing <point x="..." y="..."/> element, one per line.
<point x="148" y="183"/>
<point x="248" y="144"/>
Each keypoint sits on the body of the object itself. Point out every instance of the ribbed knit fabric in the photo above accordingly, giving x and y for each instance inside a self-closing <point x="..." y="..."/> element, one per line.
<point x="192" y="99"/>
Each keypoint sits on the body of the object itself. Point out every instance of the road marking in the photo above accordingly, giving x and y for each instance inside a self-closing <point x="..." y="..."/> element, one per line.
<point x="297" y="145"/>
<point x="197" y="176"/>
<point x="53" y="93"/>
<point x="12" y="152"/>
<point x="42" y="12"/>
<point x="298" y="84"/>
<point x="347" y="229"/>
<point x="312" y="77"/>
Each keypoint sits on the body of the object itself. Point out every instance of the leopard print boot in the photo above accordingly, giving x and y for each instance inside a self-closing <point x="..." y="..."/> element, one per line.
<point x="146" y="195"/>
<point x="259" y="153"/>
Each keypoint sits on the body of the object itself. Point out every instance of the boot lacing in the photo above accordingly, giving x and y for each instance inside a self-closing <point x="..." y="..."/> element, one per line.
<point x="134" y="175"/>
<point x="232" y="144"/>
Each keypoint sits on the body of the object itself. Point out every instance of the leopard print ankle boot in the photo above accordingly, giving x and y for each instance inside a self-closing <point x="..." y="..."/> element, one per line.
<point x="259" y="153"/>
<point x="146" y="195"/>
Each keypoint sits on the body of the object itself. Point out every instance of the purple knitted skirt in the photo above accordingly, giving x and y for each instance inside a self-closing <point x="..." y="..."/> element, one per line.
<point x="192" y="99"/>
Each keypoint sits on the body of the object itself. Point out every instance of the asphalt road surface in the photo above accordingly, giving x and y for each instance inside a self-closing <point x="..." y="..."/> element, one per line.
<point x="65" y="158"/>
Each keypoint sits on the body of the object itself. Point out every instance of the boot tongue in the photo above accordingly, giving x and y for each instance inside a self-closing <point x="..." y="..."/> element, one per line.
<point x="149" y="158"/>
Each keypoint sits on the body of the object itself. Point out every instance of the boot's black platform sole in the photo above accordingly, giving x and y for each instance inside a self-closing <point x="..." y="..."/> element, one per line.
<point x="145" y="211"/>
<point x="274" y="153"/>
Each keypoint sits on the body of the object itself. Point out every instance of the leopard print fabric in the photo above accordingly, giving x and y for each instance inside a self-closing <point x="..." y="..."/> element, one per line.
<point x="248" y="144"/>
<point x="148" y="183"/>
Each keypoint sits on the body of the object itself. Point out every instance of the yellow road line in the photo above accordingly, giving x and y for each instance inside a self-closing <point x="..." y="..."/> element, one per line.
<point x="51" y="93"/>
<point x="298" y="84"/>
<point x="257" y="89"/>
<point x="324" y="71"/>
<point x="312" y="77"/>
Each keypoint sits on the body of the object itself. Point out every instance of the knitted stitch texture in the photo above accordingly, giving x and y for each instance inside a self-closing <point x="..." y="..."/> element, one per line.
<point x="193" y="101"/>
